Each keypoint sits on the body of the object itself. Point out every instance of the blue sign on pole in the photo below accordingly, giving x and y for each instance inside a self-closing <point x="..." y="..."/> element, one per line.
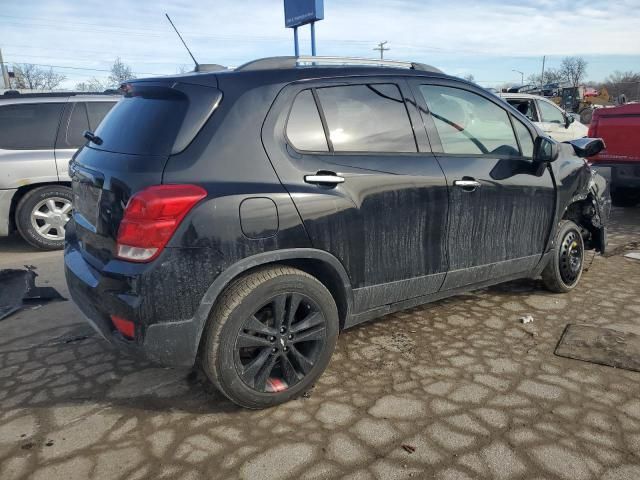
<point x="301" y="12"/>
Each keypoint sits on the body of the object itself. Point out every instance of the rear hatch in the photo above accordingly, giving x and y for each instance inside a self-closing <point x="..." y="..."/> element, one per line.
<point x="154" y="120"/>
<point x="619" y="127"/>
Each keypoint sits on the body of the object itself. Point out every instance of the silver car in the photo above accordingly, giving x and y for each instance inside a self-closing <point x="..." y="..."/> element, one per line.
<point x="39" y="133"/>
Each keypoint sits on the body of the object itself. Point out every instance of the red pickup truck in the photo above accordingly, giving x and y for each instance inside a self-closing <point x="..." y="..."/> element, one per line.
<point x="619" y="127"/>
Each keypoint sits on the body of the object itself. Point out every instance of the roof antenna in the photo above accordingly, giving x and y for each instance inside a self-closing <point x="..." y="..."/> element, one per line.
<point x="197" y="69"/>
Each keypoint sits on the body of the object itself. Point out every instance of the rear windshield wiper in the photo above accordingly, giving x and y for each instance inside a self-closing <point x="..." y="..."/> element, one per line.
<point x="92" y="138"/>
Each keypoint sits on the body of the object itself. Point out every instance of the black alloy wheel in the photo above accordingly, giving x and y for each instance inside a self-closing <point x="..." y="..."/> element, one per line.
<point x="280" y="343"/>
<point x="270" y="336"/>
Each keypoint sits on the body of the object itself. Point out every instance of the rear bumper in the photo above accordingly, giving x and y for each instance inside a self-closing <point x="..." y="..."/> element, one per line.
<point x="100" y="294"/>
<point x="6" y="196"/>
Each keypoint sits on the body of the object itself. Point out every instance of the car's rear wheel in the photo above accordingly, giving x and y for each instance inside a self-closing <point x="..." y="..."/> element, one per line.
<point x="42" y="215"/>
<point x="270" y="336"/>
<point x="564" y="270"/>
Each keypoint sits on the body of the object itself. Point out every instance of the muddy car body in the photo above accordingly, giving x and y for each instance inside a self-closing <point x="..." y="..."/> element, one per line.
<point x="289" y="212"/>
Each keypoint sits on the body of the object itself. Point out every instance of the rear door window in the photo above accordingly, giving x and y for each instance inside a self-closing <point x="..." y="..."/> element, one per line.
<point x="29" y="126"/>
<point x="367" y="118"/>
<point x="525" y="107"/>
<point x="468" y="123"/>
<point x="72" y="136"/>
<point x="304" y="127"/>
<point x="97" y="111"/>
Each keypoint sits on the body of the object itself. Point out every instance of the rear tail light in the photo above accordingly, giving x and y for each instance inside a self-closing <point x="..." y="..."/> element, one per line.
<point x="151" y="217"/>
<point x="126" y="327"/>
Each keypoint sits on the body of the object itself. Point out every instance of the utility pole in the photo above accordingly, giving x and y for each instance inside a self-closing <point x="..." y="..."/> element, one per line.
<point x="5" y="73"/>
<point x="381" y="48"/>
<point x="542" y="75"/>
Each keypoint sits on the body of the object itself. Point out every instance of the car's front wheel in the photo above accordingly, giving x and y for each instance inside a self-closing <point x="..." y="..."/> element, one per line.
<point x="564" y="270"/>
<point x="42" y="215"/>
<point x="270" y="336"/>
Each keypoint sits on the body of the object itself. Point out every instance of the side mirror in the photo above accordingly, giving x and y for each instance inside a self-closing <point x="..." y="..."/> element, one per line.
<point x="545" y="150"/>
<point x="587" y="147"/>
<point x="568" y="120"/>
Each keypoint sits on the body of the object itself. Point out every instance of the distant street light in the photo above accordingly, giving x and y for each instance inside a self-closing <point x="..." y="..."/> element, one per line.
<point x="521" y="76"/>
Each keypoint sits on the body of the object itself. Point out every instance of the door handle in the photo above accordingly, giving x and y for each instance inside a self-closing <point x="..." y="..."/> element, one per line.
<point x="467" y="185"/>
<point x="325" y="178"/>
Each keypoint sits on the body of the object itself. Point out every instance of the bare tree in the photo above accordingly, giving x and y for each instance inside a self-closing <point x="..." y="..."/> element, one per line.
<point x="550" y="76"/>
<point x="120" y="73"/>
<point x="624" y="84"/>
<point x="574" y="70"/>
<point x="91" y="85"/>
<point x="469" y="78"/>
<point x="32" y="77"/>
<point x="52" y="80"/>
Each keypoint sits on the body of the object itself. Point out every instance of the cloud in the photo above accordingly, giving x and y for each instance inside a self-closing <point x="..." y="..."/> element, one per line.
<point x="92" y="33"/>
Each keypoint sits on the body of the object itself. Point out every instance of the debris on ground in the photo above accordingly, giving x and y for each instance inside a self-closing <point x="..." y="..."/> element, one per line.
<point x="526" y="319"/>
<point x="603" y="346"/>
<point x="408" y="448"/>
<point x="18" y="288"/>
<point x="633" y="255"/>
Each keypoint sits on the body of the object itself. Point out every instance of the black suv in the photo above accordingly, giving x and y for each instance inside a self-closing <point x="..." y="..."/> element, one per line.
<point x="242" y="218"/>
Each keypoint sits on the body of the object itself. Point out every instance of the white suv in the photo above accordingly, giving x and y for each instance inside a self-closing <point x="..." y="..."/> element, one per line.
<point x="39" y="133"/>
<point x="554" y="121"/>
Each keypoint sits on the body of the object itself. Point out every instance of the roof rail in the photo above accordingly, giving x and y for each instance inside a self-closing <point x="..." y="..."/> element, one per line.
<point x="291" y="62"/>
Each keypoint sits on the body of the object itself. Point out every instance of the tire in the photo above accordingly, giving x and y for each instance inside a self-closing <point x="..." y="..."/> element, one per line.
<point x="258" y="365"/>
<point x="624" y="198"/>
<point x="52" y="204"/>
<point x="564" y="270"/>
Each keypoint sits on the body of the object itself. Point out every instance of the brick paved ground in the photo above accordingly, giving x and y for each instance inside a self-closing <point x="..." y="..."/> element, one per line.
<point x="462" y="384"/>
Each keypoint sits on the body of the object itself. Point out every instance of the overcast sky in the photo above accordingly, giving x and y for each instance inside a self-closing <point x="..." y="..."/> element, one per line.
<point x="487" y="39"/>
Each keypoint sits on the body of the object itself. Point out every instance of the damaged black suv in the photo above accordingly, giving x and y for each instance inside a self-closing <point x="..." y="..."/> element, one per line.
<point x="241" y="218"/>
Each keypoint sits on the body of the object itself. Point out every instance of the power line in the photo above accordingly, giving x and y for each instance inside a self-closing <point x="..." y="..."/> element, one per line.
<point x="80" y="68"/>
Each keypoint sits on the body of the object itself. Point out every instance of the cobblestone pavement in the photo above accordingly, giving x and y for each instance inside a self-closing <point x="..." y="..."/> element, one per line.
<point x="453" y="390"/>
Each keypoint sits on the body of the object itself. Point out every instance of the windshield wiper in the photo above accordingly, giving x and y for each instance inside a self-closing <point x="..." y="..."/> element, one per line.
<point x="92" y="138"/>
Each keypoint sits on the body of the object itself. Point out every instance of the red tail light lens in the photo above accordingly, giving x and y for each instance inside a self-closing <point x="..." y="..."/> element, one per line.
<point x="151" y="217"/>
<point x="126" y="327"/>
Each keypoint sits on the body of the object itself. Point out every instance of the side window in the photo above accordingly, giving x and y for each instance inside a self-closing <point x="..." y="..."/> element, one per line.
<point x="78" y="123"/>
<point x="97" y="111"/>
<point x="29" y="126"/>
<point x="525" y="107"/>
<point x="367" y="118"/>
<point x="550" y="113"/>
<point x="304" y="127"/>
<point x="525" y="138"/>
<point x="468" y="123"/>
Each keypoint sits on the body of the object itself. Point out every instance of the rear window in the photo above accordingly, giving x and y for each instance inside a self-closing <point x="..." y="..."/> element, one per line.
<point x="156" y="119"/>
<point x="29" y="126"/>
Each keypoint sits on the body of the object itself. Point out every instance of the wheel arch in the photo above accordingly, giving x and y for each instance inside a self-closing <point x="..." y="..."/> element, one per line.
<point x="318" y="263"/>
<point x="584" y="211"/>
<point x="21" y="192"/>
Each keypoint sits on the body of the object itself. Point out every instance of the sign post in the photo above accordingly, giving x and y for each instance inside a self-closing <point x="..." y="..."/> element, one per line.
<point x="302" y="12"/>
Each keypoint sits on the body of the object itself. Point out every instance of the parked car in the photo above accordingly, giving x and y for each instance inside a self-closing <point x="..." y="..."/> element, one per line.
<point x="620" y="159"/>
<point x="551" y="119"/>
<point x="38" y="135"/>
<point x="243" y="218"/>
